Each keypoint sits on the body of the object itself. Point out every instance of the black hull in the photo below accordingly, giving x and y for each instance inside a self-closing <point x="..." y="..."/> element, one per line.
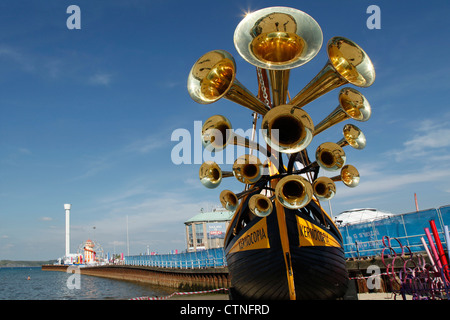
<point x="318" y="269"/>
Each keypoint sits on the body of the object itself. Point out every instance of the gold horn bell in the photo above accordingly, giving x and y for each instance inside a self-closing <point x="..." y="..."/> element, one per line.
<point x="349" y="176"/>
<point x="352" y="105"/>
<point x="213" y="77"/>
<point x="211" y="175"/>
<point x="230" y="200"/>
<point x="353" y="136"/>
<point x="278" y="39"/>
<point x="287" y="129"/>
<point x="347" y="63"/>
<point x="324" y="188"/>
<point x="248" y="169"/>
<point x="217" y="133"/>
<point x="260" y="205"/>
<point x="330" y="156"/>
<point x="293" y="192"/>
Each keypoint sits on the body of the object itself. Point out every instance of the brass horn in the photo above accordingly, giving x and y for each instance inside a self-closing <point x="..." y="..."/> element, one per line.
<point x="352" y="104"/>
<point x="211" y="175"/>
<point x="213" y="76"/>
<point x="217" y="133"/>
<point x="248" y="169"/>
<point x="294" y="192"/>
<point x="229" y="199"/>
<point x="347" y="63"/>
<point x="278" y="39"/>
<point x="260" y="205"/>
<point x="349" y="176"/>
<point x="330" y="156"/>
<point x="287" y="129"/>
<point x="324" y="188"/>
<point x="353" y="136"/>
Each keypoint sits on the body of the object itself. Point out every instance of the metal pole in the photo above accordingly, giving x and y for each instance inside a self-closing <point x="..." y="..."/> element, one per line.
<point x="404" y="228"/>
<point x="415" y="200"/>
<point x="447" y="240"/>
<point x="128" y="242"/>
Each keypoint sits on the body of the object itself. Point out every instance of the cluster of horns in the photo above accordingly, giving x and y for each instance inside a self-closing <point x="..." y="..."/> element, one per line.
<point x="276" y="40"/>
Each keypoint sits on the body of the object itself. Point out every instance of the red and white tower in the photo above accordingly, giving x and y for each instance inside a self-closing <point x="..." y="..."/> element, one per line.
<point x="89" y="253"/>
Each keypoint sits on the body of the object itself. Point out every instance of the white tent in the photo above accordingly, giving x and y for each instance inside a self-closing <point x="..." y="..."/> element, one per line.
<point x="360" y="215"/>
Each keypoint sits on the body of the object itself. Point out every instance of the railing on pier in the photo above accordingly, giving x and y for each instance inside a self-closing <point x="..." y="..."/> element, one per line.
<point x="360" y="240"/>
<point x="365" y="239"/>
<point x="210" y="258"/>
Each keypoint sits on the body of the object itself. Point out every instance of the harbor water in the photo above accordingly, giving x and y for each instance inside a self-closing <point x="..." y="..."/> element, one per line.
<point x="35" y="284"/>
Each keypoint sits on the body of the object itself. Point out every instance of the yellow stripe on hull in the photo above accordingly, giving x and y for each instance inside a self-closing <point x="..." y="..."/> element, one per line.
<point x="312" y="235"/>
<point x="254" y="238"/>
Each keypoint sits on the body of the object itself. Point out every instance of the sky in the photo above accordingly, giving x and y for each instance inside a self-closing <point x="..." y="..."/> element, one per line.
<point x="87" y="116"/>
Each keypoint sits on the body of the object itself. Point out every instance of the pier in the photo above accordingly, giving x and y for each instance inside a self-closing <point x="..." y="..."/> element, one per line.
<point x="181" y="279"/>
<point x="395" y="264"/>
<point x="218" y="277"/>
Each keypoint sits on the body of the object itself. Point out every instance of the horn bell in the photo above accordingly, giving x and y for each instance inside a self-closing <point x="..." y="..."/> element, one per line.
<point x="352" y="105"/>
<point x="260" y="205"/>
<point x="248" y="169"/>
<point x="278" y="39"/>
<point x="211" y="175"/>
<point x="287" y="129"/>
<point x="353" y="136"/>
<point x="349" y="176"/>
<point x="217" y="133"/>
<point x="330" y="156"/>
<point x="213" y="77"/>
<point x="229" y="200"/>
<point x="324" y="188"/>
<point x="347" y="63"/>
<point x="293" y="192"/>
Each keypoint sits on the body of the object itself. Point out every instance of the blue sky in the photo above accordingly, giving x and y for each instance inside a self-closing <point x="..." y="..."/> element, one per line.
<point x="86" y="116"/>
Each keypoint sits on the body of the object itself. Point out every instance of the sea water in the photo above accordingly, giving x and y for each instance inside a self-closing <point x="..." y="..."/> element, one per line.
<point x="36" y="284"/>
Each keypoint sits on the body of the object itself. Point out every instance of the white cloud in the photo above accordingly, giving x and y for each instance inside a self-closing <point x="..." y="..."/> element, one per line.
<point x="147" y="144"/>
<point x="24" y="151"/>
<point x="156" y="219"/>
<point x="429" y="142"/>
<point x="385" y="182"/>
<point x="102" y="79"/>
<point x="94" y="164"/>
<point x="16" y="56"/>
<point x="50" y="66"/>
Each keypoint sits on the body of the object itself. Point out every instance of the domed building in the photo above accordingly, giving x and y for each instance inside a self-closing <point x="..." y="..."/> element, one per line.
<point x="206" y="230"/>
<point x="360" y="215"/>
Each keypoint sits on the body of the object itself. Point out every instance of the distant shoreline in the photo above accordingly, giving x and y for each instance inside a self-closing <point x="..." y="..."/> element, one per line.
<point x="23" y="263"/>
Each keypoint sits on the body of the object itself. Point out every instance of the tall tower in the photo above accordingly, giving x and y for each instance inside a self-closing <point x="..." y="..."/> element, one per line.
<point x="67" y="208"/>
